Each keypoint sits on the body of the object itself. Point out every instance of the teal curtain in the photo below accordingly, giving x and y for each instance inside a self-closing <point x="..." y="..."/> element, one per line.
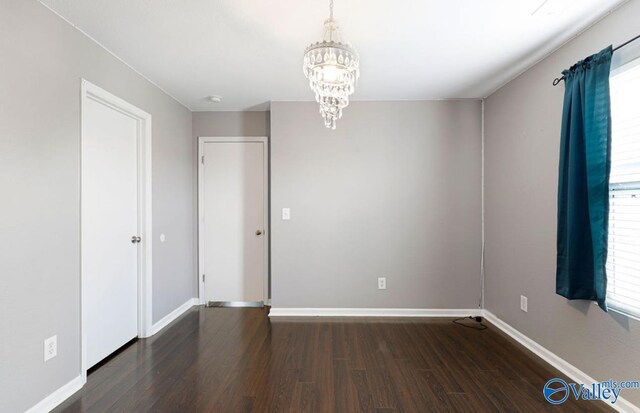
<point x="583" y="182"/>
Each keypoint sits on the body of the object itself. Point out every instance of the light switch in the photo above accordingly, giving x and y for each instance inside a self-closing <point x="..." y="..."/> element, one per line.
<point x="286" y="214"/>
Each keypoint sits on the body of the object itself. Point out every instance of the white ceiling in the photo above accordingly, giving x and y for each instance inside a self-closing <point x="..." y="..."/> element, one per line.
<point x="250" y="51"/>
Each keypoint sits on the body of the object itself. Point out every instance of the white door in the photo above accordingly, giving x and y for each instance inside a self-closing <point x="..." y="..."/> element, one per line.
<point x="233" y="194"/>
<point x="109" y="221"/>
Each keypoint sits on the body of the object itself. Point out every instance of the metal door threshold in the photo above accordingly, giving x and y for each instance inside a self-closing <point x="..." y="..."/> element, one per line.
<point x="246" y="304"/>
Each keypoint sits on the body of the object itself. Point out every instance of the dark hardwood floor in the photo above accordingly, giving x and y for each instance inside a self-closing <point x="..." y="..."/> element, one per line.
<point x="237" y="360"/>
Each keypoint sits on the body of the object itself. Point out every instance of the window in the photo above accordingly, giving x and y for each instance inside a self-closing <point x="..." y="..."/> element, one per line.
<point x="623" y="261"/>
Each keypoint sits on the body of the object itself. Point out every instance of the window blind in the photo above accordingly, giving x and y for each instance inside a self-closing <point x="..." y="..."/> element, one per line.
<point x="623" y="260"/>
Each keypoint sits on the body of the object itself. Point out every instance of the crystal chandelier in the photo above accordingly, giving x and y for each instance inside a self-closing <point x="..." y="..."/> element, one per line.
<point x="332" y="68"/>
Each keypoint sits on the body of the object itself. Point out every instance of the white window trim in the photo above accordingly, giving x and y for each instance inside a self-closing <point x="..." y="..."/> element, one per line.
<point x="623" y="62"/>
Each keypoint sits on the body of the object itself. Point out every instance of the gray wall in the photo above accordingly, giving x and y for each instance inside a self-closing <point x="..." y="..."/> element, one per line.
<point x="42" y="61"/>
<point x="394" y="191"/>
<point x="522" y="145"/>
<point x="230" y="124"/>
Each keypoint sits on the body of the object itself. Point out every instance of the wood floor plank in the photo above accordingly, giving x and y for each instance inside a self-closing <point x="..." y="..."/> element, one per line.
<point x="363" y="391"/>
<point x="238" y="360"/>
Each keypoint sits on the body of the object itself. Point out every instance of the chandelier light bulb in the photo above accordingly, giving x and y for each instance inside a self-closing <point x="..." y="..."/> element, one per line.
<point x="332" y="68"/>
<point x="330" y="73"/>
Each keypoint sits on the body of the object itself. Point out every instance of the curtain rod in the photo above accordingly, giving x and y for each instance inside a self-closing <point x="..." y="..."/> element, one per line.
<point x="560" y="79"/>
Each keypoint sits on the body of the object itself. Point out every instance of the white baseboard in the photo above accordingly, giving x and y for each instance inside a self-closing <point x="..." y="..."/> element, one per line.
<point x="574" y="373"/>
<point x="372" y="312"/>
<point x="166" y="320"/>
<point x="54" y="399"/>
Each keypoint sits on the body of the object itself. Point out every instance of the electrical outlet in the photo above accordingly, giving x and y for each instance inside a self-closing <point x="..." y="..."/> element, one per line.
<point x="382" y="283"/>
<point x="523" y="303"/>
<point x="286" y="214"/>
<point x="50" y="348"/>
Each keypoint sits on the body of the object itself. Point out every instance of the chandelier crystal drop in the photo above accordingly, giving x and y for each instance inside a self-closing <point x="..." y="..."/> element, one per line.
<point x="332" y="68"/>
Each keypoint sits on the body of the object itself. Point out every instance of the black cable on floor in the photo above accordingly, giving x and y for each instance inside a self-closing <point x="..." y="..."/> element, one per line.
<point x="477" y="323"/>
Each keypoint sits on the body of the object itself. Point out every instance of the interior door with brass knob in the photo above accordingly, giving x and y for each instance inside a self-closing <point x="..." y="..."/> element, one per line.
<point x="233" y="240"/>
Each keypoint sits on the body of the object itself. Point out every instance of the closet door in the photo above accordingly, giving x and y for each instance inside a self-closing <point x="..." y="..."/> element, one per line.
<point x="109" y="229"/>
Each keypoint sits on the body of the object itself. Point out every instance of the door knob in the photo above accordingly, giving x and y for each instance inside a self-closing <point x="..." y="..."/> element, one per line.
<point x="135" y="240"/>
<point x="258" y="232"/>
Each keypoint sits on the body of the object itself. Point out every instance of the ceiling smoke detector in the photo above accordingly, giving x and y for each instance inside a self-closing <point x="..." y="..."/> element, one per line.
<point x="214" y="99"/>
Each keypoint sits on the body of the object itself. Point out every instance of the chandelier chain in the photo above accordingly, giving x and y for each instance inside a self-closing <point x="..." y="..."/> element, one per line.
<point x="331" y="10"/>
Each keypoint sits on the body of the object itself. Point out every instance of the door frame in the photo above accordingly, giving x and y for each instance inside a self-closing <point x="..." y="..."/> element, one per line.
<point x="202" y="140"/>
<point x="89" y="91"/>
